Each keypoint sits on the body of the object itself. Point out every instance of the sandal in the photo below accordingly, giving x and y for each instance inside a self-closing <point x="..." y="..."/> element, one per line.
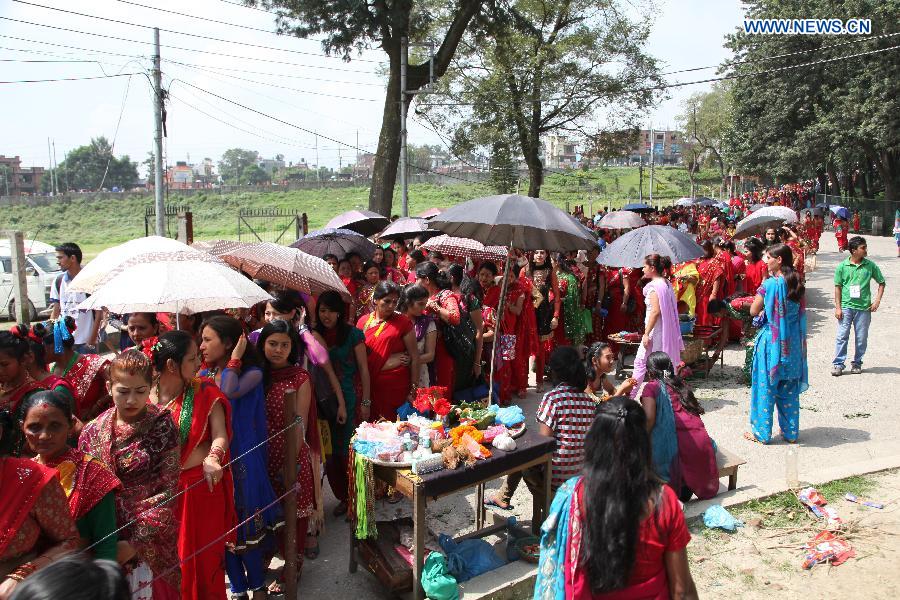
<point x="276" y="588"/>
<point x="241" y="596"/>
<point x="311" y="552"/>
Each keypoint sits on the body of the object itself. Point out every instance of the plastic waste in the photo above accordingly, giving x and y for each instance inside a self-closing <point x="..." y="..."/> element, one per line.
<point x="469" y="558"/>
<point x="717" y="516"/>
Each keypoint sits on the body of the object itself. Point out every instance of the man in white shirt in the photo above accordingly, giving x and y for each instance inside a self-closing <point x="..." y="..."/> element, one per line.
<point x="65" y="303"/>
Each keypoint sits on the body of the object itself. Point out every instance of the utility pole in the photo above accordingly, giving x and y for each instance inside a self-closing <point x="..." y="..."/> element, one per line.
<point x="55" y="168"/>
<point x="66" y="170"/>
<point x="404" y="187"/>
<point x="318" y="178"/>
<point x="641" y="177"/>
<point x="20" y="283"/>
<point x="158" y="107"/>
<point x="50" y="161"/>
<point x="652" y="153"/>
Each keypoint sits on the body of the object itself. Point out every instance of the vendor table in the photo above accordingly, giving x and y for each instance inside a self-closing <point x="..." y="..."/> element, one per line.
<point x="532" y="450"/>
<point x="708" y="336"/>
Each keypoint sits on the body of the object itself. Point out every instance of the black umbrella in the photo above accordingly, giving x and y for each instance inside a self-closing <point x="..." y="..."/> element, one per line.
<point x="365" y="222"/>
<point x="338" y="242"/>
<point x="631" y="249"/>
<point x="516" y="222"/>
<point x="406" y="228"/>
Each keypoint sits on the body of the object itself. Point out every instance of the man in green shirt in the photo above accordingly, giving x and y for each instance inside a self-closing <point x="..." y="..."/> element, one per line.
<point x="853" y="304"/>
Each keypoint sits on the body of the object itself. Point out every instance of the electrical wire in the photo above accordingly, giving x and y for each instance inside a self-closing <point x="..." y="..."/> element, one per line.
<point x="169" y="46"/>
<point x="112" y="146"/>
<point x="214" y="69"/>
<point x="71" y="78"/>
<point x="193" y="35"/>
<point x="12" y="37"/>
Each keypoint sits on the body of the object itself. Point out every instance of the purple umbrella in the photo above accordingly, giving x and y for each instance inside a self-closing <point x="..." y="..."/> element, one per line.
<point x="365" y="222"/>
<point x="405" y="228"/>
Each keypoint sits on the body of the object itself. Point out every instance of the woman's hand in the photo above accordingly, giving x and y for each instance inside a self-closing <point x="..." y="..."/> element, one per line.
<point x="7" y="588"/>
<point x="395" y="361"/>
<point x="646" y="341"/>
<point x="625" y="387"/>
<point x="476" y="369"/>
<point x="124" y="552"/>
<point x="212" y="471"/>
<point x="364" y="412"/>
<point x="239" y="348"/>
<point x="341" y="413"/>
<point x="554" y="322"/>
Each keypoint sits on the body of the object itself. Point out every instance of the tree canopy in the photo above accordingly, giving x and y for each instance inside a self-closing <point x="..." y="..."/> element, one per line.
<point x="532" y="67"/>
<point x="94" y="167"/>
<point x="238" y="166"/>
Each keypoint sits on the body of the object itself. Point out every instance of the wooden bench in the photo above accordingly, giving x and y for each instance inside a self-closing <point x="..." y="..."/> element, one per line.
<point x="728" y="464"/>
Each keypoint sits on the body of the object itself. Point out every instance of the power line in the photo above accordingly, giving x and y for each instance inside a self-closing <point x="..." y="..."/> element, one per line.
<point x="215" y="69"/>
<point x="194" y="35"/>
<point x="168" y="46"/>
<point x="12" y="37"/>
<point x="710" y="80"/>
<point x="72" y="78"/>
<point x="112" y="146"/>
<point x="309" y="131"/>
<point x="181" y="14"/>
<point x="275" y="85"/>
<point x="767" y="58"/>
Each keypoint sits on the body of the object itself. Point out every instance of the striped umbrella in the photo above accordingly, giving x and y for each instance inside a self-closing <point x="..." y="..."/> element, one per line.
<point x="464" y="248"/>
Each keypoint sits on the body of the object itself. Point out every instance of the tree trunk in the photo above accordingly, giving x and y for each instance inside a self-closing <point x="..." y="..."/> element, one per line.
<point x="864" y="177"/>
<point x="535" y="168"/>
<point x="835" y="183"/>
<point x="387" y="157"/>
<point x="823" y="181"/>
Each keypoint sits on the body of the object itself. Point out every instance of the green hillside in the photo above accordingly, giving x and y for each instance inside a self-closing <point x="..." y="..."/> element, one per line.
<point x="97" y="224"/>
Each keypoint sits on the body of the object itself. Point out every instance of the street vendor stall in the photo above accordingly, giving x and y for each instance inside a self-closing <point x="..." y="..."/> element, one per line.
<point x="532" y="449"/>
<point x="697" y="346"/>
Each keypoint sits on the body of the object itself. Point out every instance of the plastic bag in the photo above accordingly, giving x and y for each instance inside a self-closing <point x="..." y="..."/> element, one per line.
<point x="510" y="416"/>
<point x="436" y="580"/>
<point x="716" y="516"/>
<point x="469" y="558"/>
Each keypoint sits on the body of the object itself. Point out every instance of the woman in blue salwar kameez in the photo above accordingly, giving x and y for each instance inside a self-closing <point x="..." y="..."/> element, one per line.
<point x="779" y="373"/>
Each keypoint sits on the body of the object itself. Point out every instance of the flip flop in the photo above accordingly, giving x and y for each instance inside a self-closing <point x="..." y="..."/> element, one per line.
<point x="493" y="502"/>
<point x="752" y="438"/>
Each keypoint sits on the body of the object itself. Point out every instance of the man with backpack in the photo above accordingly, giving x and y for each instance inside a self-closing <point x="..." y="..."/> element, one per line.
<point x="65" y="303"/>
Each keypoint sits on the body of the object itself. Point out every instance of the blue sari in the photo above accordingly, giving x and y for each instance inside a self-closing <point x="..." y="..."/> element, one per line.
<point x="551" y="572"/>
<point x="664" y="438"/>
<point x="779" y="373"/>
<point x="253" y="494"/>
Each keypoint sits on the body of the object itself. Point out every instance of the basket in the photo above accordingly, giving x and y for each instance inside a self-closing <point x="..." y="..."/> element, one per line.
<point x="687" y="326"/>
<point x="520" y="543"/>
<point x="693" y="349"/>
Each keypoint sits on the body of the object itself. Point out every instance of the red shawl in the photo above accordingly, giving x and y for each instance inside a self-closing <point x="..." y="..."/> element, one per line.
<point x="24" y="480"/>
<point x="18" y="395"/>
<point x="191" y="412"/>
<point x="312" y="431"/>
<point x="87" y="380"/>
<point x="85" y="480"/>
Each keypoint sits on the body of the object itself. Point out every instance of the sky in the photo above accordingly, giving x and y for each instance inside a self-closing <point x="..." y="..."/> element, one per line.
<point x="287" y="78"/>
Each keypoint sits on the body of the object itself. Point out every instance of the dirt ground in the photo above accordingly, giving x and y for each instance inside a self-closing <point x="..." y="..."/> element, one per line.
<point x="763" y="559"/>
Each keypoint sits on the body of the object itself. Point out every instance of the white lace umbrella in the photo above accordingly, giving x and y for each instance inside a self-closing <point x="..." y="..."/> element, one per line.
<point x="107" y="261"/>
<point x="177" y="282"/>
<point x="288" y="267"/>
<point x="464" y="248"/>
<point x="621" y="219"/>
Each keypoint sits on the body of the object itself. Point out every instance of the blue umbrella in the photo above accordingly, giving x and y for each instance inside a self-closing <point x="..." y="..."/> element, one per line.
<point x="638" y="207"/>
<point x="338" y="242"/>
<point x="707" y="202"/>
<point x="840" y="211"/>
<point x="631" y="249"/>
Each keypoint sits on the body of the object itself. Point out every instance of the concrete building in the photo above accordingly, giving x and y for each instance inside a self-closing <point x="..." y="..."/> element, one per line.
<point x="365" y="165"/>
<point x="560" y="152"/>
<point x="272" y="166"/>
<point x="667" y="145"/>
<point x="18" y="181"/>
<point x="180" y="176"/>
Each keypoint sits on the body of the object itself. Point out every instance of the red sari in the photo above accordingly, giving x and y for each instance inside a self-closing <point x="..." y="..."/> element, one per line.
<point x="711" y="270"/>
<point x="33" y="510"/>
<point x="616" y="319"/>
<point x="444" y="364"/>
<point x="85" y="480"/>
<point x="13" y="400"/>
<point x="309" y="452"/>
<point x="389" y="388"/>
<point x="144" y="457"/>
<point x="527" y="344"/>
<point x="86" y="377"/>
<point x="754" y="273"/>
<point x="207" y="517"/>
<point x="511" y="324"/>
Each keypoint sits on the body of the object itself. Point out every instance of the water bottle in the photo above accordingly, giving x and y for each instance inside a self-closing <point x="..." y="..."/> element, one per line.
<point x="791" y="472"/>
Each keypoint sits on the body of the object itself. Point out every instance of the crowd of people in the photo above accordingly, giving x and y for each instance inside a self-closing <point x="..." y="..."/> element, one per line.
<point x="167" y="458"/>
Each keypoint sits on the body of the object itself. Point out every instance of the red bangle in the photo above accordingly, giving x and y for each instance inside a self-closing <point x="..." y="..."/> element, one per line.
<point x="234" y="363"/>
<point x="218" y="453"/>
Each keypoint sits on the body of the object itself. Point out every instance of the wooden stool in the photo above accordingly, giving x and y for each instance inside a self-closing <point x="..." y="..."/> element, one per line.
<point x="728" y="464"/>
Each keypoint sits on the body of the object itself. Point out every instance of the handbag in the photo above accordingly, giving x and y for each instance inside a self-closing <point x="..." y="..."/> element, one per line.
<point x="506" y="348"/>
<point x="326" y="397"/>
<point x="460" y="339"/>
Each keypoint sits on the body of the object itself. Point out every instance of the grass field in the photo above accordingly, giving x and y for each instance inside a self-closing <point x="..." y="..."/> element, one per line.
<point x="98" y="224"/>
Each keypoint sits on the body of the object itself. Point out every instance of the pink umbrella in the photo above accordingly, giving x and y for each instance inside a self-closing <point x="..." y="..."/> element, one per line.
<point x="464" y="248"/>
<point x="430" y="213"/>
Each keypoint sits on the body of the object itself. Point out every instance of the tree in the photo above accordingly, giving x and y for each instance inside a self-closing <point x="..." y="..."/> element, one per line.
<point x="503" y="170"/>
<point x="608" y="145"/>
<point x="94" y="167"/>
<point x="532" y="68"/>
<point x="253" y="175"/>
<point x="349" y="26"/>
<point x="706" y="121"/>
<point x="820" y="120"/>
<point x="236" y="166"/>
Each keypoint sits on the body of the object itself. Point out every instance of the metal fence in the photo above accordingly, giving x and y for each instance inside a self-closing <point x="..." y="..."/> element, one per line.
<point x="278" y="225"/>
<point x="876" y="217"/>
<point x="171" y="212"/>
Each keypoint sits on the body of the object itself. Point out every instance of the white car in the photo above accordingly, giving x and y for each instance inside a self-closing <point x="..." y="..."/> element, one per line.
<point x="41" y="271"/>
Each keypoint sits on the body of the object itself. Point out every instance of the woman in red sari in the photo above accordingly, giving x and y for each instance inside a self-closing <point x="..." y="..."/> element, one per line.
<point x="619" y="290"/>
<point x="36" y="361"/>
<point x="138" y="441"/>
<point x="280" y="345"/>
<point x="35" y="525"/>
<point x="841" y="229"/>
<point x="547" y="304"/>
<point x="444" y="306"/>
<point x="89" y="485"/>
<point x="712" y="282"/>
<point x="511" y="324"/>
<point x="364" y="289"/>
<point x="86" y="373"/>
<point x="16" y="383"/>
<point x="202" y="415"/>
<point x="392" y="353"/>
<point x="755" y="269"/>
